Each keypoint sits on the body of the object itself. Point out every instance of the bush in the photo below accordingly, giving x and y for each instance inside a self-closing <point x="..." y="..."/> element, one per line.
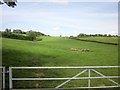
<point x="17" y="36"/>
<point x="72" y="37"/>
<point x="40" y="39"/>
<point x="0" y="34"/>
<point x="32" y="35"/>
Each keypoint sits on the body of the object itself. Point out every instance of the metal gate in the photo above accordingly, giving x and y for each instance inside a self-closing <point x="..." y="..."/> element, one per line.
<point x="3" y="78"/>
<point x="75" y="77"/>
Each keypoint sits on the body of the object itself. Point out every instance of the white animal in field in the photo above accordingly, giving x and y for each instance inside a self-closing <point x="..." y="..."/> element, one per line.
<point x="73" y="49"/>
<point x="80" y="49"/>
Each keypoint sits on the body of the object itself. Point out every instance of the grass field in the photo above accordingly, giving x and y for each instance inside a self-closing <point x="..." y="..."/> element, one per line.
<point x="56" y="51"/>
<point x="102" y="39"/>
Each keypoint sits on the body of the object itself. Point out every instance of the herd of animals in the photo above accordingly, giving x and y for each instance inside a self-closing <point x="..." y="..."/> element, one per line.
<point x="80" y="49"/>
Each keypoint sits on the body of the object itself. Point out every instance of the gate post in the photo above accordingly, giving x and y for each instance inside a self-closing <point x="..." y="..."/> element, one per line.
<point x="10" y="78"/>
<point x="3" y="76"/>
<point x="89" y="78"/>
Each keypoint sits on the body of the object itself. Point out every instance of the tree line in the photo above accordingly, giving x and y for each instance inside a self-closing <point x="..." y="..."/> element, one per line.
<point x="82" y="35"/>
<point x="19" y="34"/>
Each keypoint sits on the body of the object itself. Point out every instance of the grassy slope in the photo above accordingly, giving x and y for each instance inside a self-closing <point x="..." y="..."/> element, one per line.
<point x="102" y="39"/>
<point x="55" y="51"/>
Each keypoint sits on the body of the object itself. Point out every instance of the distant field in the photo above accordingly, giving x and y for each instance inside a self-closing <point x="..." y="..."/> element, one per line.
<point x="56" y="51"/>
<point x="102" y="39"/>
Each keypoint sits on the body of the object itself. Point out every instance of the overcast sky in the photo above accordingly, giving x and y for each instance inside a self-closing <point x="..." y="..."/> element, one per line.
<point x="62" y="18"/>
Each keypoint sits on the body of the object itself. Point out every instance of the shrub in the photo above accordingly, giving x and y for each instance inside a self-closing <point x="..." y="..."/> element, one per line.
<point x="17" y="34"/>
<point x="40" y="39"/>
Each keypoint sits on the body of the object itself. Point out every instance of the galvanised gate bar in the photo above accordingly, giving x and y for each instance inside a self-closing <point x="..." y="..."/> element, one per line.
<point x="2" y="77"/>
<point x="75" y="77"/>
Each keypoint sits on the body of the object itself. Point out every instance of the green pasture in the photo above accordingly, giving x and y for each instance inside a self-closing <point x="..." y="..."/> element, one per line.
<point x="56" y="51"/>
<point x="102" y="39"/>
